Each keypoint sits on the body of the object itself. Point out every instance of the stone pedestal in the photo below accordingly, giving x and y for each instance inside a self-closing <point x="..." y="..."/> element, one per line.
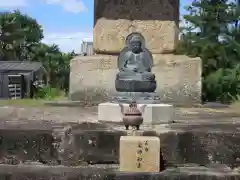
<point x="92" y="78"/>
<point x="140" y="98"/>
<point x="153" y="113"/>
<point x="139" y="154"/>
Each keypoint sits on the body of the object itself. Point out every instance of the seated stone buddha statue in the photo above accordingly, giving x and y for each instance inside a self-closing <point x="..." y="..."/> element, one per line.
<point x="135" y="63"/>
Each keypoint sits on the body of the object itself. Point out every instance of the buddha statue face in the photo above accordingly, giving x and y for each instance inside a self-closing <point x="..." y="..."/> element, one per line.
<point x="136" y="45"/>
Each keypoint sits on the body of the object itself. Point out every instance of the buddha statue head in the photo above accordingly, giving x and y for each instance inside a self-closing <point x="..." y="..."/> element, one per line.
<point x="136" y="44"/>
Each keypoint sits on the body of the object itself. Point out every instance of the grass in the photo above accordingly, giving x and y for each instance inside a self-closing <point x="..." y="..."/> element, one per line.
<point x="22" y="102"/>
<point x="236" y="105"/>
<point x="27" y="102"/>
<point x="43" y="95"/>
<point x="41" y="102"/>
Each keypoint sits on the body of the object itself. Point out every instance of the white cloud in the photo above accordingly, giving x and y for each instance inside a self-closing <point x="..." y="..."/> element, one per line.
<point x="12" y="3"/>
<point x="74" y="6"/>
<point x="67" y="41"/>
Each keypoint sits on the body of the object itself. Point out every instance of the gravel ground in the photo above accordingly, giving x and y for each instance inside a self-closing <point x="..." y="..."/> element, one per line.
<point x="80" y="114"/>
<point x="59" y="114"/>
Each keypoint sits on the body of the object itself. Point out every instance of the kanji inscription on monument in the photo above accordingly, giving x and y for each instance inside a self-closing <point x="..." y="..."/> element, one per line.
<point x="139" y="154"/>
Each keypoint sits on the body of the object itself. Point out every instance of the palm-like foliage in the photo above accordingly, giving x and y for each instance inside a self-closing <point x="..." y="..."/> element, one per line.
<point x="55" y="62"/>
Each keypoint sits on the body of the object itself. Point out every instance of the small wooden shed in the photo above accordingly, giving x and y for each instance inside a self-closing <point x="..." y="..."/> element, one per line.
<point x="17" y="78"/>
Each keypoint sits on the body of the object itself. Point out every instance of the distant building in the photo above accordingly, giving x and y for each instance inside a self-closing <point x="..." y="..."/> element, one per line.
<point x="18" y="78"/>
<point x="87" y="48"/>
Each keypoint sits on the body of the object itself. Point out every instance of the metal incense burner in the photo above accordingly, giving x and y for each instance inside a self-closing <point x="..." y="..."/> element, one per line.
<point x="132" y="116"/>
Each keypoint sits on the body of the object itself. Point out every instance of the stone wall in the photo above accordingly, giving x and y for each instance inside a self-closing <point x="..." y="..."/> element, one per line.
<point x="115" y="20"/>
<point x="92" y="78"/>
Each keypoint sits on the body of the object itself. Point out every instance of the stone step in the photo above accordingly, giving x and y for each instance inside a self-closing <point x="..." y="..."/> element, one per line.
<point x="75" y="144"/>
<point x="201" y="144"/>
<point x="23" y="141"/>
<point x="40" y="172"/>
<point x="50" y="143"/>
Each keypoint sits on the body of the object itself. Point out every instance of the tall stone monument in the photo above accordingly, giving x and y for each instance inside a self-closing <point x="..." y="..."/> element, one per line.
<point x="178" y="78"/>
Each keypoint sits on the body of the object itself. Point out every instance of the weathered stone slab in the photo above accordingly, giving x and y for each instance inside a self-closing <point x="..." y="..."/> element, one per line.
<point x="39" y="172"/>
<point x="184" y="173"/>
<point x="156" y="20"/>
<point x="27" y="141"/>
<point x="202" y="144"/>
<point x="53" y="143"/>
<point x="80" y="144"/>
<point x="23" y="172"/>
<point x="31" y="145"/>
<point x="93" y="145"/>
<point x="139" y="154"/>
<point x="178" y="78"/>
<point x="153" y="114"/>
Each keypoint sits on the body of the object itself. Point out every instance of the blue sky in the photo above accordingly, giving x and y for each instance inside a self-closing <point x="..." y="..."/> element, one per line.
<point x="65" y="22"/>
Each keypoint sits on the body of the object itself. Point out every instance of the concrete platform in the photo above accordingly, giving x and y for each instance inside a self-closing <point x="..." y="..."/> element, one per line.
<point x="153" y="114"/>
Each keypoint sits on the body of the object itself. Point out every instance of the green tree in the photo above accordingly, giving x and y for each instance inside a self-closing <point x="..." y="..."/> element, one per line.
<point x="20" y="39"/>
<point x="18" y="33"/>
<point x="211" y="35"/>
